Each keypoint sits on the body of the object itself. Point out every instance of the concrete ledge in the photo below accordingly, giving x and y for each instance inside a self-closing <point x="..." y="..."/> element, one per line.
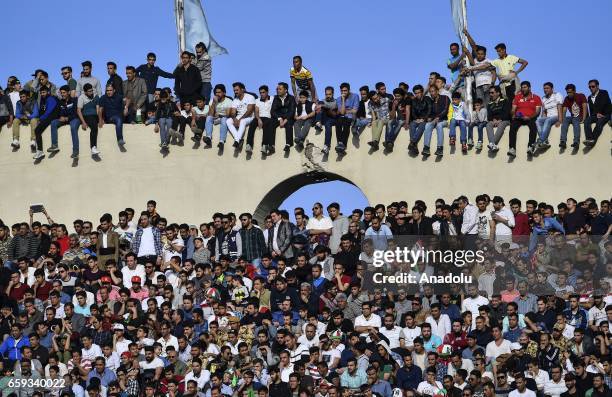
<point x="190" y="184"/>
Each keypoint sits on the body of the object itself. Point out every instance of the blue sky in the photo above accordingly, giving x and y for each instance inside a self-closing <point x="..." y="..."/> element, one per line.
<point x="341" y="40"/>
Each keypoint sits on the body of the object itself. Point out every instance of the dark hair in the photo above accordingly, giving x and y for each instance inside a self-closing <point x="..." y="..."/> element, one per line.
<point x="548" y="83"/>
<point x="220" y="87"/>
<point x="264" y="87"/>
<point x="500" y="46"/>
<point x="345" y="85"/>
<point x="570" y="86"/>
<point x="239" y="85"/>
<point x="201" y="45"/>
<point x="86" y="63"/>
<point x="111" y="63"/>
<point x="151" y="55"/>
<point x="456" y="95"/>
<point x="417" y="87"/>
<point x="283" y="84"/>
<point x="527" y="83"/>
<point x="132" y="68"/>
<point x="69" y="68"/>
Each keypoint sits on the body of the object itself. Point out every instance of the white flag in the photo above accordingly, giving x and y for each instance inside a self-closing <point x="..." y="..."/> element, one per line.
<point x="192" y="28"/>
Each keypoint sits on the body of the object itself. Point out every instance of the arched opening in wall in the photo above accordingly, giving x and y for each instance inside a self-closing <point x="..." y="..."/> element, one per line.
<point x="303" y="190"/>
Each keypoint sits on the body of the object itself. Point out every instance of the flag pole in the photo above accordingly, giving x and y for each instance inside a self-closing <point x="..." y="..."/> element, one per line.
<point x="468" y="78"/>
<point x="180" y="24"/>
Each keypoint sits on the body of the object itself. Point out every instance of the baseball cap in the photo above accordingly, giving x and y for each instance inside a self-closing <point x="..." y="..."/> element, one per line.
<point x="119" y="326"/>
<point x="126" y="355"/>
<point x="106" y="279"/>
<point x="515" y="346"/>
<point x="234" y="319"/>
<point x="136" y="279"/>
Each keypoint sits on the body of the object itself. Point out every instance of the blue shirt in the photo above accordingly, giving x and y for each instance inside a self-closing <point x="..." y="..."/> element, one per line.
<point x="454" y="72"/>
<point x="105" y="377"/>
<point x="452" y="311"/>
<point x="113" y="106"/>
<point x="353" y="382"/>
<point x="578" y="319"/>
<point x="433" y="343"/>
<point x="11" y="347"/>
<point x="383" y="388"/>
<point x="409" y="378"/>
<point x="350" y="103"/>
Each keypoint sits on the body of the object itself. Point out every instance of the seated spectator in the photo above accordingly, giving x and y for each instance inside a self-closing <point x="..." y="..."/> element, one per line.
<point x="379" y="108"/>
<point x="347" y="103"/>
<point x="577" y="106"/>
<point x="420" y="112"/>
<point x="439" y="120"/>
<point x="460" y="118"/>
<point x="600" y="109"/>
<point x="46" y="111"/>
<point x="24" y="112"/>
<point x="240" y="114"/>
<point x="478" y="120"/>
<point x="110" y="110"/>
<point x="163" y="115"/>
<point x="218" y="114"/>
<point x="550" y="115"/>
<point x="263" y="116"/>
<point x="67" y="116"/>
<point x="326" y="116"/>
<point x="87" y="111"/>
<point x="526" y="107"/>
<point x="304" y="118"/>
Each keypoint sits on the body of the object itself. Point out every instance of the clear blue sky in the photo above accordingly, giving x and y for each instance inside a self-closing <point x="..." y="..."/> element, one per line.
<point x="341" y="40"/>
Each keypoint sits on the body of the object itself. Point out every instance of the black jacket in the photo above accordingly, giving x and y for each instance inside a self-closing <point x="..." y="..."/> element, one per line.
<point x="602" y="104"/>
<point x="424" y="228"/>
<point x="117" y="82"/>
<point x="286" y="110"/>
<point x="439" y="109"/>
<point x="187" y="82"/>
<point x="421" y="109"/>
<point x="499" y="110"/>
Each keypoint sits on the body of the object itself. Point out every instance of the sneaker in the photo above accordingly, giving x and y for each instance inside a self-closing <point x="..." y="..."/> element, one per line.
<point x="425" y="151"/>
<point x="575" y="145"/>
<point x="39" y="155"/>
<point x="464" y="148"/>
<point x="490" y="146"/>
<point x="512" y="152"/>
<point x="340" y="148"/>
<point x="389" y="146"/>
<point x="563" y="145"/>
<point x="33" y="146"/>
<point x="264" y="149"/>
<point x="453" y="140"/>
<point x="544" y="145"/>
<point x="299" y="145"/>
<point x="240" y="144"/>
<point x="271" y="150"/>
<point x="495" y="148"/>
<point x="318" y="126"/>
<point x="532" y="149"/>
<point x="53" y="149"/>
<point x="373" y="143"/>
<point x="439" y="151"/>
<point x="248" y="149"/>
<point x="121" y="142"/>
<point x="15" y="144"/>
<point x="479" y="145"/>
<point x="236" y="144"/>
<point x="207" y="141"/>
<point x="470" y="143"/>
<point x="325" y="149"/>
<point x="287" y="148"/>
<point x="220" y="145"/>
<point x="94" y="151"/>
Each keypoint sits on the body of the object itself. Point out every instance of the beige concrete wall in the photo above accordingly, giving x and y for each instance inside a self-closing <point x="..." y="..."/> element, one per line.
<point x="189" y="185"/>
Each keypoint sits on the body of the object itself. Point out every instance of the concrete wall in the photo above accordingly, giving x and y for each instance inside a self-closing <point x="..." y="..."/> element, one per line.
<point x="189" y="185"/>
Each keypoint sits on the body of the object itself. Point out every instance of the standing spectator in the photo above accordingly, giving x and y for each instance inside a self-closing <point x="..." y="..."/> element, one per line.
<point x="498" y="116"/>
<point x="241" y="113"/>
<point x="113" y="78"/>
<point x="87" y="110"/>
<point x="484" y="73"/>
<point x="110" y="110"/>
<point x="263" y="115"/>
<point x="187" y="79"/>
<point x="147" y="242"/>
<point x="577" y="106"/>
<point x="24" y="115"/>
<point x="526" y="107"/>
<point x="304" y="118"/>
<point x="151" y="73"/>
<point x="600" y="109"/>
<point x="420" y="116"/>
<point x="507" y="75"/>
<point x="503" y="218"/>
<point x="134" y="94"/>
<point x="340" y="225"/>
<point x="218" y="114"/>
<point x="302" y="80"/>
<point x="439" y="120"/>
<point x="347" y="104"/>
<point x="46" y="111"/>
<point x="86" y="77"/>
<point x="203" y="61"/>
<point x="550" y="115"/>
<point x="283" y="111"/>
<point x="67" y="116"/>
<point x="70" y="81"/>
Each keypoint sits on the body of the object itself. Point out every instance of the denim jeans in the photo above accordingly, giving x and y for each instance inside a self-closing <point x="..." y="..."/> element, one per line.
<point x="328" y="123"/>
<point x="211" y="121"/>
<point x="480" y="125"/>
<point x="544" y="124"/>
<point x="74" y="132"/>
<point x="118" y="121"/>
<point x="439" y="126"/>
<point x="589" y="132"/>
<point x="393" y="129"/>
<point x="416" y="130"/>
<point x="575" y="122"/>
<point x="462" y="129"/>
<point x="360" y="125"/>
<point x="206" y="90"/>
<point x="482" y="92"/>
<point x="165" y="123"/>
<point x="301" y="129"/>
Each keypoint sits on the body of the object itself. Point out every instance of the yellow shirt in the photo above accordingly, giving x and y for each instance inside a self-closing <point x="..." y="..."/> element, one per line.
<point x="506" y="65"/>
<point x="302" y="77"/>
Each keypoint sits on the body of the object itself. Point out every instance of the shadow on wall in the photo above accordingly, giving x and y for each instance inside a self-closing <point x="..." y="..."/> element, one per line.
<point x="279" y="193"/>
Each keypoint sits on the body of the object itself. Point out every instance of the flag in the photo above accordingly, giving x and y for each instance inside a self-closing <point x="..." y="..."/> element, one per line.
<point x="458" y="12"/>
<point x="193" y="28"/>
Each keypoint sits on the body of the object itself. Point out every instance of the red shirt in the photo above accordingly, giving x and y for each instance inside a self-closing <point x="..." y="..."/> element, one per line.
<point x="42" y="292"/>
<point x="521" y="225"/>
<point x="578" y="100"/>
<point x="64" y="243"/>
<point x="526" y="105"/>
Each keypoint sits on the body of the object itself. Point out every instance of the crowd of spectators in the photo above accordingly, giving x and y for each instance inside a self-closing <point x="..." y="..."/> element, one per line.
<point x="501" y="101"/>
<point x="140" y="305"/>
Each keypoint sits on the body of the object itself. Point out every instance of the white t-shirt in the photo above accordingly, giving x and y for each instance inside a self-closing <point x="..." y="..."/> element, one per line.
<point x="129" y="273"/>
<point x="91" y="353"/>
<point x="482" y="77"/>
<point x="241" y="105"/>
<point x="393" y="335"/>
<point x="127" y="234"/>
<point x="549" y="104"/>
<point x="428" y="389"/>
<point x="494" y="351"/>
<point x="373" y="321"/>
<point x="526" y="393"/>
<point x="410" y="334"/>
<point x="502" y="229"/>
<point x="147" y="243"/>
<point x="484" y="227"/>
<point x="169" y="251"/>
<point x="329" y="356"/>
<point x="155" y="363"/>
<point x="264" y="108"/>
<point x="472" y="304"/>
<point x="222" y="107"/>
<point x="319" y="224"/>
<point x="122" y="346"/>
<point x="554" y="389"/>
